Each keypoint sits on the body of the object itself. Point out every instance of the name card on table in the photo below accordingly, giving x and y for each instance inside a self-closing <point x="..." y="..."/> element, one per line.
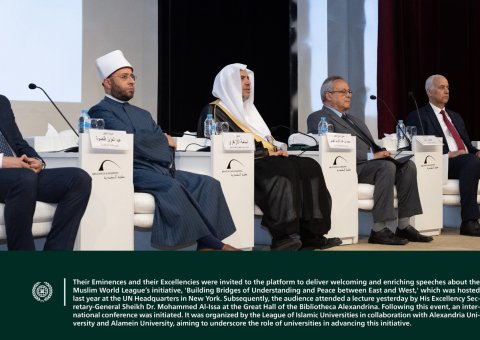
<point x="340" y="141"/>
<point x="108" y="139"/>
<point x="238" y="142"/>
<point x="429" y="140"/>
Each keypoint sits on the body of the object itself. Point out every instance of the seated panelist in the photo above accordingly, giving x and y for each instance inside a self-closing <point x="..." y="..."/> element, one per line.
<point x="290" y="190"/>
<point x="24" y="181"/>
<point x="380" y="171"/>
<point x="463" y="157"/>
<point x="188" y="207"/>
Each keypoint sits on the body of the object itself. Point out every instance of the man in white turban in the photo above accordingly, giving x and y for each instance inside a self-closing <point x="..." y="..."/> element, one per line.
<point x="290" y="191"/>
<point x="188" y="207"/>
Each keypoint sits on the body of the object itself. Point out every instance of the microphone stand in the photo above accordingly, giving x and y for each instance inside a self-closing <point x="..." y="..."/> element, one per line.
<point x="410" y="93"/>
<point x="33" y="86"/>
<point x="405" y="148"/>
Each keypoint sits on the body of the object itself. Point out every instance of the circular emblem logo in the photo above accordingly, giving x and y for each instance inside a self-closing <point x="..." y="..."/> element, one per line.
<point x="42" y="291"/>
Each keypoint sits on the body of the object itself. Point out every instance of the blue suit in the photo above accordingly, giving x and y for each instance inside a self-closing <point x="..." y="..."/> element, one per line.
<point x="465" y="168"/>
<point x="20" y="188"/>
<point x="187" y="206"/>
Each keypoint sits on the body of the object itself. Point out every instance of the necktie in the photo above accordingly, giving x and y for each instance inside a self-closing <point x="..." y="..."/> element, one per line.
<point x="4" y="146"/>
<point x="453" y="131"/>
<point x="361" y="134"/>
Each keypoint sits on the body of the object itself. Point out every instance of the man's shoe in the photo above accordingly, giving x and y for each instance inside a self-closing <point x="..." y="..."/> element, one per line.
<point x="386" y="236"/>
<point x="470" y="228"/>
<point x="290" y="242"/>
<point x="320" y="243"/>
<point x="412" y="234"/>
<point x="227" y="247"/>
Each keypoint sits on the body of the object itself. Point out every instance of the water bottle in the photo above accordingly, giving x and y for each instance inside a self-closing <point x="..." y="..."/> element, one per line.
<point x="208" y="126"/>
<point x="322" y="126"/>
<point x="401" y="140"/>
<point x="84" y="121"/>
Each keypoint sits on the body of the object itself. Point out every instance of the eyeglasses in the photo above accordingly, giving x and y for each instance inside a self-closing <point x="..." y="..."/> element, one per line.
<point x="125" y="76"/>
<point x="344" y="92"/>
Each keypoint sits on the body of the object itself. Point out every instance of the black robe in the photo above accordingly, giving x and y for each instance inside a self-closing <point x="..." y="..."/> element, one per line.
<point x="290" y="191"/>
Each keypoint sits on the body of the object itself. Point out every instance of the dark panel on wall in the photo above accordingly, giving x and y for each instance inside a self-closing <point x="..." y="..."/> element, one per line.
<point x="198" y="38"/>
<point x="418" y="38"/>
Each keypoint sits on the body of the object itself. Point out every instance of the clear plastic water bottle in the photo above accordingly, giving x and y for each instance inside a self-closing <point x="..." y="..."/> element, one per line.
<point x="322" y="126"/>
<point x="208" y="126"/>
<point x="83" y="121"/>
<point x="401" y="140"/>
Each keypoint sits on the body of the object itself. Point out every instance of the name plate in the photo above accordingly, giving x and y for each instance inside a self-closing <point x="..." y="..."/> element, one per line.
<point x="238" y="142"/>
<point x="340" y="141"/>
<point x="108" y="139"/>
<point x="429" y="140"/>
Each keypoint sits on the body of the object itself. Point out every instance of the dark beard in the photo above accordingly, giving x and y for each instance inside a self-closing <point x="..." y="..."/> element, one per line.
<point x="121" y="95"/>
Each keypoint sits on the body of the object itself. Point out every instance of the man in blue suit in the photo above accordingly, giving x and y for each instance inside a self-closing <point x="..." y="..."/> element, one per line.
<point x="463" y="157"/>
<point x="24" y="181"/>
<point x="188" y="207"/>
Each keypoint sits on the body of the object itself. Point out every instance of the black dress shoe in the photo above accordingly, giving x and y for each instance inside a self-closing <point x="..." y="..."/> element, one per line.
<point x="412" y="234"/>
<point x="470" y="228"/>
<point x="290" y="242"/>
<point x="386" y="236"/>
<point x="320" y="243"/>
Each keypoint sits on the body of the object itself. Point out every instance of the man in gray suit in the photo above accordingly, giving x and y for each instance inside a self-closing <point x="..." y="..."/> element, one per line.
<point x="379" y="169"/>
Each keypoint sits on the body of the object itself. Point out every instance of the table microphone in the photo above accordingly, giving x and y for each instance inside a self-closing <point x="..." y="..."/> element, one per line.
<point x="32" y="86"/>
<point x="373" y="97"/>
<point x="410" y="94"/>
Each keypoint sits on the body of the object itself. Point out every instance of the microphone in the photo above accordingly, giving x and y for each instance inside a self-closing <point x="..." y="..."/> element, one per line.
<point x="32" y="86"/>
<point x="410" y="94"/>
<point x="409" y="147"/>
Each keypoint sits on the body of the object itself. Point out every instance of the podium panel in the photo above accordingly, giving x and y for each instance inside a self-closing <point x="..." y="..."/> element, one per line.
<point x="429" y="162"/>
<point x="339" y="167"/>
<point x="108" y="220"/>
<point x="232" y="163"/>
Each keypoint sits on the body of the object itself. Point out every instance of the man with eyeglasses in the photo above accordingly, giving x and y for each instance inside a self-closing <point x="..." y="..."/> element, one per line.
<point x="463" y="157"/>
<point x="188" y="207"/>
<point x="379" y="170"/>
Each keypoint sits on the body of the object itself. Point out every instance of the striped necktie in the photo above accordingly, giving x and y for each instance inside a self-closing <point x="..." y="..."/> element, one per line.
<point x="453" y="131"/>
<point x="4" y="146"/>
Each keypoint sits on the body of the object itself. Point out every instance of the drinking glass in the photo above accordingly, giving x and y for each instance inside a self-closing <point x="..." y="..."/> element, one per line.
<point x="97" y="123"/>
<point x="221" y="127"/>
<point x="411" y="132"/>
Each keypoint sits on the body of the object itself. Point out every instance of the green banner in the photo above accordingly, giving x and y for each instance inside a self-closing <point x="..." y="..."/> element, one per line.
<point x="238" y="294"/>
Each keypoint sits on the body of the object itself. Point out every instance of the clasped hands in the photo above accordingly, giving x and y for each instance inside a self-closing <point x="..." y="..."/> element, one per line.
<point x="23" y="161"/>
<point x="381" y="154"/>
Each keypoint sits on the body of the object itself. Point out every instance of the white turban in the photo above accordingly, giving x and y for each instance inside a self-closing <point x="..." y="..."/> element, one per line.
<point x="110" y="63"/>
<point x="228" y="88"/>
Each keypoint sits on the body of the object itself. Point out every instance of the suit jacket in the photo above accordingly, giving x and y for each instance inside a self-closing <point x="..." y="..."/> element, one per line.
<point x="431" y="126"/>
<point x="341" y="126"/>
<point x="10" y="130"/>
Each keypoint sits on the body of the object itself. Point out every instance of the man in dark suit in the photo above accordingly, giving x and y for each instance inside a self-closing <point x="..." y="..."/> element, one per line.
<point x="24" y="181"/>
<point x="380" y="170"/>
<point x="188" y="207"/>
<point x="463" y="157"/>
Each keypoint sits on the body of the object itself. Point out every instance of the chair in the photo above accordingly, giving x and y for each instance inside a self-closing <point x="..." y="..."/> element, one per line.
<point x="451" y="203"/>
<point x="42" y="220"/>
<point x="451" y="196"/>
<point x="143" y="211"/>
